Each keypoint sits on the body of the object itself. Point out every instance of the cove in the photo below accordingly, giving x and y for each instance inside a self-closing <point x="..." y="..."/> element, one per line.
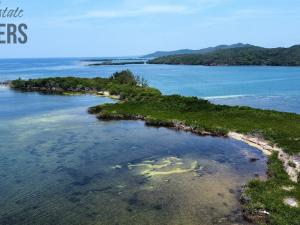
<point x="60" y="165"/>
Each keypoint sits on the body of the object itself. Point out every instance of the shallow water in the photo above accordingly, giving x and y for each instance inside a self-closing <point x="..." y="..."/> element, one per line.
<point x="256" y="86"/>
<point x="60" y="165"/>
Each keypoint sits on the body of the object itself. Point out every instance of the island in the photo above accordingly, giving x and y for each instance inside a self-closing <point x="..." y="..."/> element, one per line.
<point x="246" y="55"/>
<point x="272" y="201"/>
<point x="110" y="63"/>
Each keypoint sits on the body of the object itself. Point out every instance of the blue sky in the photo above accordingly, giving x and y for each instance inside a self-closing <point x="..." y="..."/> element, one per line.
<point x="59" y="28"/>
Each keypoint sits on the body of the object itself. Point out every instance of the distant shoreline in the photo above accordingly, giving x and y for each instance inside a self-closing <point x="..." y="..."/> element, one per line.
<point x="244" y="56"/>
<point x="116" y="63"/>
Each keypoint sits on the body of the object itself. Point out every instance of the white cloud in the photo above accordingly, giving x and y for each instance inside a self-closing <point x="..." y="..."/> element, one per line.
<point x="247" y="15"/>
<point x="140" y="8"/>
<point x="146" y="10"/>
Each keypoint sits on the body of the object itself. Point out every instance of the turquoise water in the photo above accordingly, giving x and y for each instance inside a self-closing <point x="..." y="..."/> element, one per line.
<point x="60" y="165"/>
<point x="262" y="87"/>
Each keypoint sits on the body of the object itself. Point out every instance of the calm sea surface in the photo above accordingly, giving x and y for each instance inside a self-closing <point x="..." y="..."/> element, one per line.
<point x="60" y="165"/>
<point x="262" y="87"/>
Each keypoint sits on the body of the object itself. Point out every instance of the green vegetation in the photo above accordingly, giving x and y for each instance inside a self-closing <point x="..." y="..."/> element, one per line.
<point x="238" y="56"/>
<point x="268" y="195"/>
<point x="202" y="117"/>
<point x="123" y="83"/>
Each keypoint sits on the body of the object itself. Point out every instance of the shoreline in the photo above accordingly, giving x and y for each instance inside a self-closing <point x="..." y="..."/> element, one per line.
<point x="267" y="148"/>
<point x="104" y="94"/>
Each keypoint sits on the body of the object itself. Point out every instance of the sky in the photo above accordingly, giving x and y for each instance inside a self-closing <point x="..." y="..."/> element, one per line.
<point x="91" y="28"/>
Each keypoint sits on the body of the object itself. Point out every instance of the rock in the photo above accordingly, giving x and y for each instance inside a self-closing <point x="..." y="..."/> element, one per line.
<point x="253" y="159"/>
<point x="117" y="167"/>
<point x="231" y="191"/>
<point x="244" y="199"/>
<point x="292" y="202"/>
<point x="260" y="217"/>
<point x="288" y="188"/>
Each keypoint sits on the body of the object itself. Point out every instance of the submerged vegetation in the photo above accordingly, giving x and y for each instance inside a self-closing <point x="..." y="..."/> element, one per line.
<point x="166" y="166"/>
<point x="263" y="201"/>
<point x="238" y="56"/>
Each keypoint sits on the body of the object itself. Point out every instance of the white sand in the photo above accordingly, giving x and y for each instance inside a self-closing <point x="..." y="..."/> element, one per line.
<point x="267" y="148"/>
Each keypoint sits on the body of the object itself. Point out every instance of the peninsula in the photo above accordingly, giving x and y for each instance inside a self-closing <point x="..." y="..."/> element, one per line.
<point x="271" y="201"/>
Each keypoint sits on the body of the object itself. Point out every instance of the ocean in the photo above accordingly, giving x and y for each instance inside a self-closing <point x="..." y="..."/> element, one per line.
<point x="274" y="88"/>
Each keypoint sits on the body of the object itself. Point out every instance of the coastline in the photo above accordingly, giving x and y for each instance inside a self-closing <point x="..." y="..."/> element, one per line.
<point x="108" y="95"/>
<point x="267" y="148"/>
<point x="105" y="94"/>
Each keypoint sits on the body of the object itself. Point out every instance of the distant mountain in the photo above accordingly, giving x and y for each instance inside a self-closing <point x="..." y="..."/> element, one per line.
<point x="201" y="51"/>
<point x="237" y="56"/>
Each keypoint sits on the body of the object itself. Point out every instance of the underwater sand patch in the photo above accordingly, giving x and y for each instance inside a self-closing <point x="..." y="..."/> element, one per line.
<point x="52" y="117"/>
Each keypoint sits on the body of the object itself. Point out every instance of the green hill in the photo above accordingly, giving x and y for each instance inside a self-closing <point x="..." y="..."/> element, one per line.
<point x="237" y="56"/>
<point x="200" y="51"/>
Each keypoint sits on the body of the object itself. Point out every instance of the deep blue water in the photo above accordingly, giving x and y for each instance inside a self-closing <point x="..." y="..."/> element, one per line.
<point x="262" y="87"/>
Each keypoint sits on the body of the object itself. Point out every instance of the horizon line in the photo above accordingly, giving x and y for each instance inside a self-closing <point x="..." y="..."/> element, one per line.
<point x="140" y="55"/>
